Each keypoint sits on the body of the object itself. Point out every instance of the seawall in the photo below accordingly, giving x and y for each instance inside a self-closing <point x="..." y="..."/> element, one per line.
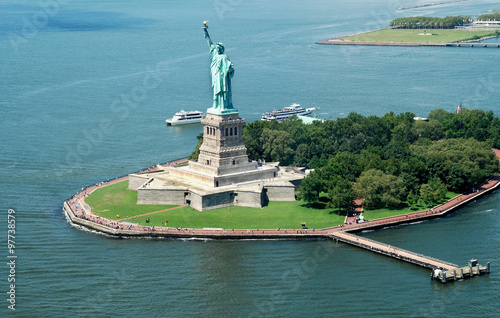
<point x="116" y="229"/>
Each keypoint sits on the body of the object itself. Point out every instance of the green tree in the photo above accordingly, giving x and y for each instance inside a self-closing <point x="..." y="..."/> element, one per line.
<point x="344" y="164"/>
<point x="392" y="191"/>
<point x="460" y="163"/>
<point x="277" y="146"/>
<point x="375" y="187"/>
<point x="433" y="192"/>
<point x="426" y="193"/>
<point x="311" y="187"/>
<point x="194" y="155"/>
<point x="302" y="155"/>
<point x="432" y="129"/>
<point x="396" y="149"/>
<point x="494" y="132"/>
<point x="412" y="198"/>
<point x="429" y="22"/>
<point x="439" y="189"/>
<point x="340" y="193"/>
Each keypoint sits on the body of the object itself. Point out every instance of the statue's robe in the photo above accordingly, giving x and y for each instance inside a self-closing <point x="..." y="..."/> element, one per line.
<point x="222" y="70"/>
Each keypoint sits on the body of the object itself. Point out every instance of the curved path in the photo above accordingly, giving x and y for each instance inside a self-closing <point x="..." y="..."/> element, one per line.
<point x="79" y="212"/>
<point x="154" y="212"/>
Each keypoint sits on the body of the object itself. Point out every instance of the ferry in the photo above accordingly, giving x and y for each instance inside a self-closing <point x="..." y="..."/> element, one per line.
<point x="185" y="117"/>
<point x="287" y="112"/>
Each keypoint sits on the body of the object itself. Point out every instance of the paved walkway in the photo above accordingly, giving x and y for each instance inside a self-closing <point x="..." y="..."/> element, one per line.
<point x="116" y="227"/>
<point x="154" y="212"/>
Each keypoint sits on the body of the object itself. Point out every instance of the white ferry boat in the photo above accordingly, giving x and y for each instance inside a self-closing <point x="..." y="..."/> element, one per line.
<point x="287" y="112"/>
<point x="185" y="117"/>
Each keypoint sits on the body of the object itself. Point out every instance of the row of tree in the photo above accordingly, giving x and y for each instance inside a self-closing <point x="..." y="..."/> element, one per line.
<point x="430" y="22"/>
<point x="384" y="160"/>
<point x="489" y="17"/>
<point x="386" y="176"/>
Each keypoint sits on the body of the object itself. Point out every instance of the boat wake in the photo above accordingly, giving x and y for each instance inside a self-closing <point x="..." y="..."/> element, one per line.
<point x="485" y="211"/>
<point x="403" y="224"/>
<point x="159" y="67"/>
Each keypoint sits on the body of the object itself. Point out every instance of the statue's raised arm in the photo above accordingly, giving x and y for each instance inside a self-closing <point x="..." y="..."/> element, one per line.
<point x="207" y="36"/>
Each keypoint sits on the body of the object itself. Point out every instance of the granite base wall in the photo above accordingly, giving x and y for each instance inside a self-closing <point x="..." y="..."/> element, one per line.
<point x="196" y="201"/>
<point x="224" y="180"/>
<point x="193" y="165"/>
<point x="248" y="199"/>
<point x="245" y="177"/>
<point x="192" y="176"/>
<point x="226" y="199"/>
<point x="239" y="167"/>
<point x="215" y="200"/>
<point x="280" y="193"/>
<point x="242" y="166"/>
<point x="162" y="196"/>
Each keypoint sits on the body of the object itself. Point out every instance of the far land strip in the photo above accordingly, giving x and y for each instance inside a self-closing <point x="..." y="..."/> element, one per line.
<point x="429" y="5"/>
<point x="416" y="37"/>
<point x="429" y="31"/>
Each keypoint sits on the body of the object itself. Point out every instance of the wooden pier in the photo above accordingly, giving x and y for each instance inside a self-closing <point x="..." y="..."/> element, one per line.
<point x="441" y="271"/>
<point x="392" y="251"/>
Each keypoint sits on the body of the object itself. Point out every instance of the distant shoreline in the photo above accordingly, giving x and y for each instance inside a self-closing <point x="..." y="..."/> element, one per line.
<point x="429" y="5"/>
<point x="471" y="43"/>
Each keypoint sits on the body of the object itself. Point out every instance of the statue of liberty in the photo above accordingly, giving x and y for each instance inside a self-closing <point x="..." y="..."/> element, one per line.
<point x="222" y="70"/>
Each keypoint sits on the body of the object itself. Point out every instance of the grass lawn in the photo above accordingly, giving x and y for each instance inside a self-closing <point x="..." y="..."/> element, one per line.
<point x="412" y="35"/>
<point x="285" y="215"/>
<point x="116" y="199"/>
<point x="382" y="213"/>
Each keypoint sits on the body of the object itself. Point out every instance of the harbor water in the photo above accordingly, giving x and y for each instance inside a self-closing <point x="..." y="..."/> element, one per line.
<point x="85" y="89"/>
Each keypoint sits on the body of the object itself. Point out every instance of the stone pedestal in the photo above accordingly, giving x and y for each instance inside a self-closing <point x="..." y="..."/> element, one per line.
<point x="222" y="176"/>
<point x="223" y="151"/>
<point x="223" y="157"/>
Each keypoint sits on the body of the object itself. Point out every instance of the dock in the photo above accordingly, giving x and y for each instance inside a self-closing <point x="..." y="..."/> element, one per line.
<point x="441" y="271"/>
<point x="468" y="271"/>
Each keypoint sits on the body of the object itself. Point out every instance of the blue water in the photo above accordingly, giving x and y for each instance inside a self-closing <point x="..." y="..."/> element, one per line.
<point x="84" y="94"/>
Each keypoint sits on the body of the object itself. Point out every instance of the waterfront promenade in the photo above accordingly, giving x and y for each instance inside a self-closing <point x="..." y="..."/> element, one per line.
<point x="340" y="41"/>
<point x="79" y="213"/>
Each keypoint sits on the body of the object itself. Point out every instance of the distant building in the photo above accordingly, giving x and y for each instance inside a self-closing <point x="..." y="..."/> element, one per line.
<point x="309" y="120"/>
<point x="486" y="23"/>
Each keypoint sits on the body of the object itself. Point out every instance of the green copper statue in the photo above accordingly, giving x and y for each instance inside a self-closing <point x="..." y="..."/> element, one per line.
<point x="222" y="70"/>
